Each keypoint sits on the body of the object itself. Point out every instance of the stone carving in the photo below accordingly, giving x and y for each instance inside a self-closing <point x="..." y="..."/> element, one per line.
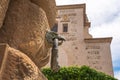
<point x="23" y="25"/>
<point x="17" y="66"/>
<point x="55" y="40"/>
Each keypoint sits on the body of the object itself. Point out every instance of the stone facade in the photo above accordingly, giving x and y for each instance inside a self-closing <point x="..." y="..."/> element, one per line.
<point x="80" y="48"/>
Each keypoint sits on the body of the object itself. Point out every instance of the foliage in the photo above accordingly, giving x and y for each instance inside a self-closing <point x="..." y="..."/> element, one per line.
<point x="76" y="73"/>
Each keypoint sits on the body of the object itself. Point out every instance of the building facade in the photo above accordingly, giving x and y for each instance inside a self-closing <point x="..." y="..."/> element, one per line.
<point x="80" y="48"/>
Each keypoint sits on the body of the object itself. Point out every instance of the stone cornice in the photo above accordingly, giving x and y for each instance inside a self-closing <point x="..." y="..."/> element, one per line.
<point x="98" y="40"/>
<point x="71" y="6"/>
<point x="87" y="24"/>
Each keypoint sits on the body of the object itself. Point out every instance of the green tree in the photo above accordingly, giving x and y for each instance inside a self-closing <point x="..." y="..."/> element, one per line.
<point x="76" y="73"/>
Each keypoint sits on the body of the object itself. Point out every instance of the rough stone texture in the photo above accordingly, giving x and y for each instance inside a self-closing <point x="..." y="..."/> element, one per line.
<point x="47" y="5"/>
<point x="50" y="5"/>
<point x="17" y="66"/>
<point x="2" y="51"/>
<point x="24" y="29"/>
<point x="3" y="9"/>
<point x="23" y="25"/>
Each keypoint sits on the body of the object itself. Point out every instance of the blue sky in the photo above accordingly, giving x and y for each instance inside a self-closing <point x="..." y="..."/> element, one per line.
<point x="104" y="16"/>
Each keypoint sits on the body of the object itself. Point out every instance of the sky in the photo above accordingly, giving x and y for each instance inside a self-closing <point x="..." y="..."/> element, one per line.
<point x="104" y="16"/>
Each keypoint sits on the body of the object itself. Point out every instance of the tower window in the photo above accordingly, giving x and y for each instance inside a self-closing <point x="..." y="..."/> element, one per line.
<point x="55" y="28"/>
<point x="65" y="27"/>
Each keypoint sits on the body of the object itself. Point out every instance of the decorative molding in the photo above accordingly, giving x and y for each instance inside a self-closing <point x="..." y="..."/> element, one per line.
<point x="98" y="40"/>
<point x="71" y="6"/>
<point x="87" y="24"/>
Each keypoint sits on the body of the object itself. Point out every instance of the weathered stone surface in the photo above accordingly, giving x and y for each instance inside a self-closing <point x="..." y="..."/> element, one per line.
<point x="2" y="53"/>
<point x="23" y="25"/>
<point x="3" y="9"/>
<point x="47" y="5"/>
<point x="50" y="9"/>
<point x="24" y="29"/>
<point x="17" y="66"/>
